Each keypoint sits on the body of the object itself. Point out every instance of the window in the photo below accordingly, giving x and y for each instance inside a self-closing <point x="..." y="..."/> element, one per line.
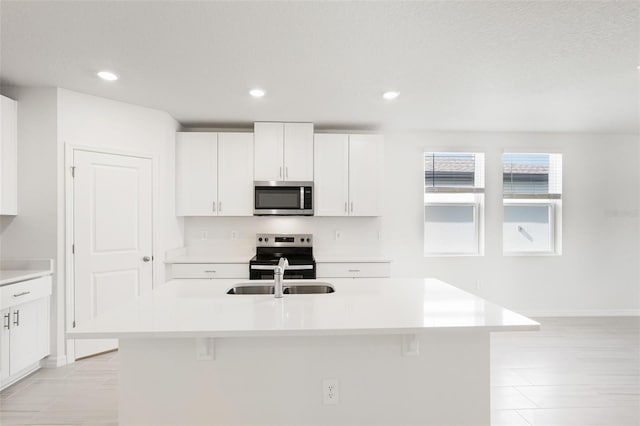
<point x="453" y="203"/>
<point x="532" y="197"/>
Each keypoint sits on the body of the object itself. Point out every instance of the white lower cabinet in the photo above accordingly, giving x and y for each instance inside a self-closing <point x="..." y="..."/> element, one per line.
<point x="210" y="270"/>
<point x="24" y="340"/>
<point x="353" y="270"/>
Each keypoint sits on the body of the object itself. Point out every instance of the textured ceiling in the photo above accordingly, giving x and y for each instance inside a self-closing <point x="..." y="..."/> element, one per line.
<point x="523" y="66"/>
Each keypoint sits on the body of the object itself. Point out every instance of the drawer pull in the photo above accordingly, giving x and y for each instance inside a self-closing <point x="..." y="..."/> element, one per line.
<point x="24" y="293"/>
<point x="211" y="271"/>
<point x="354" y="270"/>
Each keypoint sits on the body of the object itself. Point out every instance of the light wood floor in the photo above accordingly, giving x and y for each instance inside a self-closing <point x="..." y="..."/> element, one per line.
<point x="575" y="371"/>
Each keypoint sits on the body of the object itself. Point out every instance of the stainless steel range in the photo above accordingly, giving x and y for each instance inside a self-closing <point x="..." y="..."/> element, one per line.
<point x="296" y="248"/>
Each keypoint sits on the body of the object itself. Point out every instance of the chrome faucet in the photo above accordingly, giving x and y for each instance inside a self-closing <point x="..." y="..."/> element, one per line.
<point x="278" y="275"/>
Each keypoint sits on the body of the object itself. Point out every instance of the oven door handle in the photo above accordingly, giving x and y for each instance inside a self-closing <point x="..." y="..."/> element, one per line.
<point x="288" y="268"/>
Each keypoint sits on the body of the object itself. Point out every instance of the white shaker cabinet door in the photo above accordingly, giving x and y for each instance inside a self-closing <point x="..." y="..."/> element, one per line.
<point x="5" y="316"/>
<point x="235" y="174"/>
<point x="331" y="170"/>
<point x="196" y="174"/>
<point x="365" y="174"/>
<point x="298" y="152"/>
<point x="24" y="342"/>
<point x="269" y="151"/>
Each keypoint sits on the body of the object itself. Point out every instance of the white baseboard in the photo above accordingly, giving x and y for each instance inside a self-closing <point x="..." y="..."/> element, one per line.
<point x="54" y="361"/>
<point x="583" y="313"/>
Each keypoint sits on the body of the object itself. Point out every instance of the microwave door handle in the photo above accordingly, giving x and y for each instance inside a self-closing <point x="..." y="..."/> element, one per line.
<point x="302" y="198"/>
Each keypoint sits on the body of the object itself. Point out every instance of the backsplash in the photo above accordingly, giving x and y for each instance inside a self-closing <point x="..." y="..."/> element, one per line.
<point x="232" y="236"/>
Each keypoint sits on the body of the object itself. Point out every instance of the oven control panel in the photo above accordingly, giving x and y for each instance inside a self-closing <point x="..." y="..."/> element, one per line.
<point x="284" y="240"/>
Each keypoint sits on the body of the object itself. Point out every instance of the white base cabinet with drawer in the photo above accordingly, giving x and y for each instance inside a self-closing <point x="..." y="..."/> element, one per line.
<point x="24" y="339"/>
<point x="353" y="270"/>
<point x="210" y="270"/>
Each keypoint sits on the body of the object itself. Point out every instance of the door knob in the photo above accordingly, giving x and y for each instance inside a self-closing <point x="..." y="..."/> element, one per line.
<point x="146" y="259"/>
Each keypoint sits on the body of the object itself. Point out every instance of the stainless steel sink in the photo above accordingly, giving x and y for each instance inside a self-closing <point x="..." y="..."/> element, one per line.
<point x="289" y="288"/>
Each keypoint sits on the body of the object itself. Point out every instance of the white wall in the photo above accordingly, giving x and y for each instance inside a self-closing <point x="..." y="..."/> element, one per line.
<point x="90" y="121"/>
<point x="48" y="119"/>
<point x="596" y="274"/>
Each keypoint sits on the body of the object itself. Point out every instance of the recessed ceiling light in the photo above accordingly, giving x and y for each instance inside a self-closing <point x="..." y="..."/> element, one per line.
<point x="257" y="93"/>
<point x="107" y="75"/>
<point x="390" y="95"/>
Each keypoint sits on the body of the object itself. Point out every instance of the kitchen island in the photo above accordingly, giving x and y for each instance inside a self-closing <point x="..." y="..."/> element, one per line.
<point x="374" y="352"/>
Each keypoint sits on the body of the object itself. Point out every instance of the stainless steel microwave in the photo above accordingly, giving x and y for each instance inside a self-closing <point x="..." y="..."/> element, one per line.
<point x="273" y="198"/>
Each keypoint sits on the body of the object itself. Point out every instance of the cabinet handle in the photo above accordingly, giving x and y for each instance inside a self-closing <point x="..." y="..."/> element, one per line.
<point x="7" y="323"/>
<point x="345" y="207"/>
<point x="24" y="293"/>
<point x="212" y="271"/>
<point x="16" y="320"/>
<point x="220" y="206"/>
<point x="286" y="172"/>
<point x="352" y="207"/>
<point x="354" y="270"/>
<point x="214" y="206"/>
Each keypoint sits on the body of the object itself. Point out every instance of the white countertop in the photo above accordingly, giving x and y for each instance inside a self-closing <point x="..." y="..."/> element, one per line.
<point x="201" y="308"/>
<point x="16" y="270"/>
<point x="209" y="259"/>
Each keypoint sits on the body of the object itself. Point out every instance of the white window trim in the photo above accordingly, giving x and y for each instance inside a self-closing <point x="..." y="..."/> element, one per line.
<point x="552" y="226"/>
<point x="476" y="221"/>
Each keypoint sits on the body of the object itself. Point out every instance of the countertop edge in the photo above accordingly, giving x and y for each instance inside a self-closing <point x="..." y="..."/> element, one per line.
<point x="28" y="275"/>
<point x="296" y="333"/>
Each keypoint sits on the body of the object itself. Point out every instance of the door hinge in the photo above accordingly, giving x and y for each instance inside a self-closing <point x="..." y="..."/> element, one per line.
<point x="74" y="323"/>
<point x="73" y="171"/>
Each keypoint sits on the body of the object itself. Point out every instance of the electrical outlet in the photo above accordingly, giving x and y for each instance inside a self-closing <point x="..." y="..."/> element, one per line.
<point x="338" y="235"/>
<point x="234" y="235"/>
<point x="204" y="234"/>
<point x="330" y="392"/>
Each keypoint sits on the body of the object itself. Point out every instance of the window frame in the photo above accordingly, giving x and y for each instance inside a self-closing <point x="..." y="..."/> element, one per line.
<point x="552" y="226"/>
<point x="476" y="223"/>
<point x="474" y="197"/>
<point x="553" y="199"/>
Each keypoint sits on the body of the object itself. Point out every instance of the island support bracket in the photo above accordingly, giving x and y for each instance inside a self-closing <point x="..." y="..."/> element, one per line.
<point x="205" y="348"/>
<point x="410" y="345"/>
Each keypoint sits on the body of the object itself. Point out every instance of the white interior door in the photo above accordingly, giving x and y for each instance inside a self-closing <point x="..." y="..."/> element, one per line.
<point x="112" y="212"/>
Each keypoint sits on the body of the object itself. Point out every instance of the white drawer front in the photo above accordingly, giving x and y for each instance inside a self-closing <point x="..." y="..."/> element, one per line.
<point x="210" y="270"/>
<point x="353" y="270"/>
<point x="24" y="291"/>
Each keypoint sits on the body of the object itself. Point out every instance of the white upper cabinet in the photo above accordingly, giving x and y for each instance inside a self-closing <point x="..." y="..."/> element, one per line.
<point x="331" y="166"/>
<point x="348" y="174"/>
<point x="214" y="174"/>
<point x="283" y="151"/>
<point x="235" y="174"/>
<point x="8" y="156"/>
<point x="365" y="174"/>
<point x="196" y="174"/>
<point x="298" y="151"/>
